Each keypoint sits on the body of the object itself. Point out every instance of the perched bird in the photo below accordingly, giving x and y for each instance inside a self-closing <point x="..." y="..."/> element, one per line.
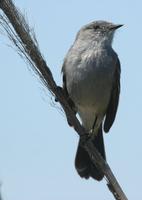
<point x="91" y="80"/>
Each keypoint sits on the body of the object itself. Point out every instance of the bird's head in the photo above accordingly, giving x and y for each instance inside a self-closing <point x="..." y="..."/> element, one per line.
<point x="100" y="31"/>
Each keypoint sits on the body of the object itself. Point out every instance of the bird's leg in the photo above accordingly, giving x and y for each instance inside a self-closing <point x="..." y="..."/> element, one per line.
<point x="84" y="138"/>
<point x="91" y="132"/>
<point x="90" y="135"/>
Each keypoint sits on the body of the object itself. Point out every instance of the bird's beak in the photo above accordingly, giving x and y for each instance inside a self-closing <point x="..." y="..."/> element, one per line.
<point x="114" y="27"/>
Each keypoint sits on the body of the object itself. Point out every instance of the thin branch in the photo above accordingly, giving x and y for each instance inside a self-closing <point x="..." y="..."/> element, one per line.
<point x="22" y="37"/>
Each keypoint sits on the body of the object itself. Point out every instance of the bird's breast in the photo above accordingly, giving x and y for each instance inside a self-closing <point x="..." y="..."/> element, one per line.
<point x="90" y="80"/>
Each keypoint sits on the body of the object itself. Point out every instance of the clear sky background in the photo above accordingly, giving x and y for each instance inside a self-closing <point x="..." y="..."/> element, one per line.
<point x="37" y="147"/>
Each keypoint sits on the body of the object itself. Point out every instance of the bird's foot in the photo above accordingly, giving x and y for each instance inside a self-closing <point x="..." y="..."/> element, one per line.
<point x="84" y="138"/>
<point x="88" y="136"/>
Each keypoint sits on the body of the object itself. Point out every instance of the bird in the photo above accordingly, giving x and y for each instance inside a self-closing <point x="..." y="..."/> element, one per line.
<point x="91" y="81"/>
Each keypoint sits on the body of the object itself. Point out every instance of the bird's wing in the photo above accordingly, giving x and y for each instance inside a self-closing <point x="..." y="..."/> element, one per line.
<point x="71" y="103"/>
<point x="114" y="98"/>
<point x="63" y="71"/>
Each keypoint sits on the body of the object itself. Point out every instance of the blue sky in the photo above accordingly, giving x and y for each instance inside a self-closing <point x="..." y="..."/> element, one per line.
<point x="37" y="148"/>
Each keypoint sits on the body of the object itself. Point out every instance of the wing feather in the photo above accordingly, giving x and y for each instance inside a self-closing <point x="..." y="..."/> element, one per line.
<point x="114" y="99"/>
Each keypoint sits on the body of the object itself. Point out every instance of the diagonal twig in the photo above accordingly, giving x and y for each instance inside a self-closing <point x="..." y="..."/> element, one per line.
<point x="21" y="35"/>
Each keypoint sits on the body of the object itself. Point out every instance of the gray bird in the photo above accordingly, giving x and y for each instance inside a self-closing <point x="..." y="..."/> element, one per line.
<point x="91" y="80"/>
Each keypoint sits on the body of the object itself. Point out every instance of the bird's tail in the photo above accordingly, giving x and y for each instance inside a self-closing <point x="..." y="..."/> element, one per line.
<point x="83" y="163"/>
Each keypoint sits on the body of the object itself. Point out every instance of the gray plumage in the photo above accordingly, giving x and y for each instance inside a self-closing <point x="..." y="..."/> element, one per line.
<point x="91" y="72"/>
